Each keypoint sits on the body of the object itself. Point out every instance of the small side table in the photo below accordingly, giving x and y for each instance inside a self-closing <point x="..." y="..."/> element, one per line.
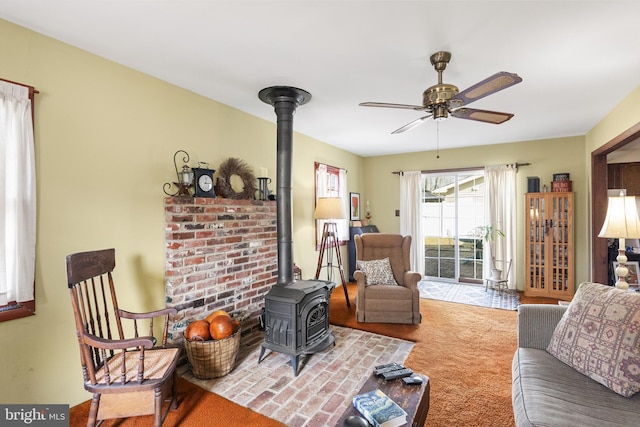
<point x="414" y="399"/>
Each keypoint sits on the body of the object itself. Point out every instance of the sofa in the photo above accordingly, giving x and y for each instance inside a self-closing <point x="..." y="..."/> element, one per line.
<point x="548" y="392"/>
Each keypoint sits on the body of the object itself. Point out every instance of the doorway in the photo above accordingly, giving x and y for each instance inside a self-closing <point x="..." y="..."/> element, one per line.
<point x="599" y="252"/>
<point x="452" y="211"/>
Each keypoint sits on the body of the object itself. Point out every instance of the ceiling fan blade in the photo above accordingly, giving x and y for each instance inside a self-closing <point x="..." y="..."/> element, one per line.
<point x="388" y="105"/>
<point x="486" y="87"/>
<point x="412" y="124"/>
<point x="486" y="116"/>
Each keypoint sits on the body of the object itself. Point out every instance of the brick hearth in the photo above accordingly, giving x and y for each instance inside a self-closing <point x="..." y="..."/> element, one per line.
<point x="220" y="254"/>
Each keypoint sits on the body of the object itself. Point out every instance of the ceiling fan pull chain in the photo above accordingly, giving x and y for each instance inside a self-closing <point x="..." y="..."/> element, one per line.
<point x="437" y="140"/>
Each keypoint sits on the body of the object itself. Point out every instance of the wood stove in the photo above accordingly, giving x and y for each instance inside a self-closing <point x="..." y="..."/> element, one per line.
<point x="296" y="312"/>
<point x="296" y="319"/>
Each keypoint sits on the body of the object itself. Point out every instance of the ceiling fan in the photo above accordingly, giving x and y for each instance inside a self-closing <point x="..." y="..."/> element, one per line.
<point x="444" y="99"/>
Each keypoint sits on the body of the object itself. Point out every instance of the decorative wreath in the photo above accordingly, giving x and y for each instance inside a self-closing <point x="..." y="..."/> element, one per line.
<point x="233" y="166"/>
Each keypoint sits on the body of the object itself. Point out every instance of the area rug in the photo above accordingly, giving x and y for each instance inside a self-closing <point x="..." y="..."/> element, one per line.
<point x="469" y="294"/>
<point x="326" y="381"/>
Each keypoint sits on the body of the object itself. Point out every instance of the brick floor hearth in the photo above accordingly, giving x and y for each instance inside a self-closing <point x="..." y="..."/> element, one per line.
<point x="325" y="384"/>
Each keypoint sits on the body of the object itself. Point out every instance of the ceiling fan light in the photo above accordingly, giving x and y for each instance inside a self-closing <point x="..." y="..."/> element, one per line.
<point x="440" y="113"/>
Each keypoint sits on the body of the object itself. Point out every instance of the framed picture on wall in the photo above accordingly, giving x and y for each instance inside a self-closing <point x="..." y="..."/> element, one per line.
<point x="633" y="266"/>
<point x="355" y="206"/>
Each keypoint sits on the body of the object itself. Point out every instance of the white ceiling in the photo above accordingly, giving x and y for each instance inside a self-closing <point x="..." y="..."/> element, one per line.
<point x="578" y="59"/>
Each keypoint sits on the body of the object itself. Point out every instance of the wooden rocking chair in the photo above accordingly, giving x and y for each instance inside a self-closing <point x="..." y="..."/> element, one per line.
<point x="127" y="376"/>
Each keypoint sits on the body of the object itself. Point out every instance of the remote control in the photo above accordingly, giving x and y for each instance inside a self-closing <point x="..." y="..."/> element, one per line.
<point x="388" y="369"/>
<point x="388" y="365"/>
<point x="415" y="380"/>
<point x="400" y="373"/>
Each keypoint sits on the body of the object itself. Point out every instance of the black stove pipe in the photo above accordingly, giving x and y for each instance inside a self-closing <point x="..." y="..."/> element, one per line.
<point x="285" y="100"/>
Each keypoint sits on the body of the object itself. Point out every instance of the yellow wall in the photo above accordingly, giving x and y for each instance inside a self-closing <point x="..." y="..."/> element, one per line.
<point x="625" y="115"/>
<point x="105" y="139"/>
<point x="546" y="157"/>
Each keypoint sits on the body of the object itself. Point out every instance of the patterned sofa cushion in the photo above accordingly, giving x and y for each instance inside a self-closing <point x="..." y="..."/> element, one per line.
<point x="599" y="336"/>
<point x="377" y="272"/>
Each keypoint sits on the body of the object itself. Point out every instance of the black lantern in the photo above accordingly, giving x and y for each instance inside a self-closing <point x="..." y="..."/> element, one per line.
<point x="184" y="176"/>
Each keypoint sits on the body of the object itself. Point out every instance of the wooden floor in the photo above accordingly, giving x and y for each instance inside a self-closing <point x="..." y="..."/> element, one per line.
<point x="536" y="300"/>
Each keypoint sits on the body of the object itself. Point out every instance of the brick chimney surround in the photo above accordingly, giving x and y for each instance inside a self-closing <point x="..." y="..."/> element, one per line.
<point x="219" y="254"/>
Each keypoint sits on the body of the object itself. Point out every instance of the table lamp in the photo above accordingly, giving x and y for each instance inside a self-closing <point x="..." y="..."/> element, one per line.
<point x="622" y="223"/>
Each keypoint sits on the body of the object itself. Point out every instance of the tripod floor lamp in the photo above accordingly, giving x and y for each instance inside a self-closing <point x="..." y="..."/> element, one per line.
<point x="331" y="209"/>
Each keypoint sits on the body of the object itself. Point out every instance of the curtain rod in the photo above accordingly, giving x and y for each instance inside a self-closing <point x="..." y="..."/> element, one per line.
<point x="31" y="88"/>
<point x="457" y="169"/>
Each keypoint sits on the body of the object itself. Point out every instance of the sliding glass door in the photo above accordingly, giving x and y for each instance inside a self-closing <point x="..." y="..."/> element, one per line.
<point x="453" y="208"/>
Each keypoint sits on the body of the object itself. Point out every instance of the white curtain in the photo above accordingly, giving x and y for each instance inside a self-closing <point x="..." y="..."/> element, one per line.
<point x="411" y="214"/>
<point x="18" y="195"/>
<point x="343" y="225"/>
<point x="500" y="212"/>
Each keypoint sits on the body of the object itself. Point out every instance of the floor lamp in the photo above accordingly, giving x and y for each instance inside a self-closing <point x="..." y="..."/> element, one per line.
<point x="331" y="209"/>
<point x="622" y="223"/>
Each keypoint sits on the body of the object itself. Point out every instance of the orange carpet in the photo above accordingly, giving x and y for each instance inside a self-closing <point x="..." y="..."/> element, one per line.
<point x="197" y="408"/>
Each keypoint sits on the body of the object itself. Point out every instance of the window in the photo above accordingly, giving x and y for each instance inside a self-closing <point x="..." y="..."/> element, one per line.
<point x="331" y="181"/>
<point x="18" y="199"/>
<point x="452" y="209"/>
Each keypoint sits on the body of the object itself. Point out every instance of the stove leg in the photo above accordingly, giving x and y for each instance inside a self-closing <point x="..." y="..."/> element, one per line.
<point x="262" y="349"/>
<point x="294" y="364"/>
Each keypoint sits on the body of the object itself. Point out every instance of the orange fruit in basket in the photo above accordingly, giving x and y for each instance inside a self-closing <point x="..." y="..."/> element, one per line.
<point x="221" y="327"/>
<point x="197" y="330"/>
<point x="215" y="314"/>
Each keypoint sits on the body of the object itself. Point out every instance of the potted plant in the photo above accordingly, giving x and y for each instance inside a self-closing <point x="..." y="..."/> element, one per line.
<point x="488" y="233"/>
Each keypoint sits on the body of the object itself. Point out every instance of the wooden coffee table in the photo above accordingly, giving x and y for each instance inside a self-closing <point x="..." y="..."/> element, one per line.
<point x="414" y="399"/>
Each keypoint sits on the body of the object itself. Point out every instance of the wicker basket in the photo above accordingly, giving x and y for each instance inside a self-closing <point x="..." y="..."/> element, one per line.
<point x="213" y="358"/>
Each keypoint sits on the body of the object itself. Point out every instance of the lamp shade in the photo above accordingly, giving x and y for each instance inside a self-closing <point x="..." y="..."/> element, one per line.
<point x="622" y="218"/>
<point x="329" y="208"/>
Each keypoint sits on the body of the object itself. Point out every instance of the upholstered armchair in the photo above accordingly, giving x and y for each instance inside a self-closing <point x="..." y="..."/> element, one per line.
<point x="387" y="288"/>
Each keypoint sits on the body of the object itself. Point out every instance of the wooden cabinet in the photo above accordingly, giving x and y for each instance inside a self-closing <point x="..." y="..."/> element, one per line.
<point x="549" y="253"/>
<point x="624" y="175"/>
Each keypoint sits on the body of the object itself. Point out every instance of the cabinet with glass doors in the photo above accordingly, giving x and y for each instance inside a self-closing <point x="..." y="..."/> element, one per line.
<point x="549" y="253"/>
